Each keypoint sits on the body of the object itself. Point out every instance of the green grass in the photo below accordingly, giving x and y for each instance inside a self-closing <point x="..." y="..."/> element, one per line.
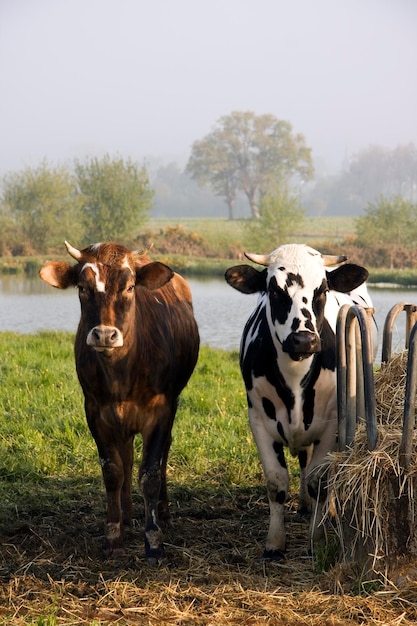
<point x="212" y="438"/>
<point x="43" y="431"/>
<point x="222" y="234"/>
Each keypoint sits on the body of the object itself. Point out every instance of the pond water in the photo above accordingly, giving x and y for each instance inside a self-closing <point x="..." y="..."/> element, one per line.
<point x="28" y="305"/>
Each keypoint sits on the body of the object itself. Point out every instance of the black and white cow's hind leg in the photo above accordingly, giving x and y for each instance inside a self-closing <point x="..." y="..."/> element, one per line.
<point x="304" y="500"/>
<point x="317" y="488"/>
<point x="277" y="483"/>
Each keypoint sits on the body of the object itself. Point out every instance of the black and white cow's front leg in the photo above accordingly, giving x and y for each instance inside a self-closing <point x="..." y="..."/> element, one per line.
<point x="277" y="482"/>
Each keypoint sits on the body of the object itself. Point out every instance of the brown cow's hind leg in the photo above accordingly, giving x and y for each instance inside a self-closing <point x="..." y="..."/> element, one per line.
<point x="127" y="456"/>
<point x="152" y="479"/>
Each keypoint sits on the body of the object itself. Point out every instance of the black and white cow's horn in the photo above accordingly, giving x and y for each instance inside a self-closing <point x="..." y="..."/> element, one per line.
<point x="262" y="259"/>
<point x="143" y="251"/>
<point x="76" y="254"/>
<point x="332" y="259"/>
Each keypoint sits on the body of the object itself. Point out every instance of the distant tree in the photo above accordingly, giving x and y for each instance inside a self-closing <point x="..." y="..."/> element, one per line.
<point x="280" y="215"/>
<point x="389" y="223"/>
<point x="116" y="198"/>
<point x="178" y="195"/>
<point x="369" y="174"/>
<point x="43" y="204"/>
<point x="402" y="166"/>
<point x="212" y="163"/>
<point x="249" y="153"/>
<point x="12" y="240"/>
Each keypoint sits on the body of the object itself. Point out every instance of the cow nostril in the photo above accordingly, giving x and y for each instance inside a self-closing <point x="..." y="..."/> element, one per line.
<point x="96" y="334"/>
<point x="114" y="335"/>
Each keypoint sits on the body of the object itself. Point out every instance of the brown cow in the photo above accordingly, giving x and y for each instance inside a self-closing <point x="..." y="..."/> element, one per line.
<point x="135" y="349"/>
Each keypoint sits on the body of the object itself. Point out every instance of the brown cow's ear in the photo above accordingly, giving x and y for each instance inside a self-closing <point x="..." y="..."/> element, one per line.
<point x="59" y="274"/>
<point x="246" y="279"/>
<point x="347" y="277"/>
<point x="153" y="275"/>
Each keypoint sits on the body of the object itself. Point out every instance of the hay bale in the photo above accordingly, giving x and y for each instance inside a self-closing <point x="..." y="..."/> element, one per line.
<point x="372" y="498"/>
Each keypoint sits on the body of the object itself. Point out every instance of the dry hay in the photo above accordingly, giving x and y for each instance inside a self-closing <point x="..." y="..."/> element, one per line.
<point x="51" y="565"/>
<point x="372" y="496"/>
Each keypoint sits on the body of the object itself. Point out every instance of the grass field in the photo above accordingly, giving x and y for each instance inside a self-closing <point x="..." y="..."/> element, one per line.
<point x="220" y="233"/>
<point x="52" y="568"/>
<point x="222" y="238"/>
<point x="223" y="245"/>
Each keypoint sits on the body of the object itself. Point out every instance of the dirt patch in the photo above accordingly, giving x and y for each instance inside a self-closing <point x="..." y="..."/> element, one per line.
<point x="52" y="566"/>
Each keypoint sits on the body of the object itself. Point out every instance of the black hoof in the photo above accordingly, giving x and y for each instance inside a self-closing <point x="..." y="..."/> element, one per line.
<point x="154" y="560"/>
<point x="303" y="513"/>
<point x="113" y="550"/>
<point x="273" y="555"/>
<point x="155" y="556"/>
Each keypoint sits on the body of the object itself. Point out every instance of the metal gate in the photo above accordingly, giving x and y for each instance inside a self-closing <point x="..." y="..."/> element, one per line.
<point x="355" y="377"/>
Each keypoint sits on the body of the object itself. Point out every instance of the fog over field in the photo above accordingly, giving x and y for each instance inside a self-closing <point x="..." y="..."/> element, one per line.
<point x="147" y="78"/>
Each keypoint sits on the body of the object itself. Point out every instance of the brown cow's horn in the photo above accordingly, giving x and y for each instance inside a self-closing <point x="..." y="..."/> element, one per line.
<point x="261" y="259"/>
<point x="330" y="259"/>
<point x="76" y="254"/>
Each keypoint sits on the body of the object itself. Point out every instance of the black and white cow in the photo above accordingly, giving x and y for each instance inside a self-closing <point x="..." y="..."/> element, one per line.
<point x="288" y="363"/>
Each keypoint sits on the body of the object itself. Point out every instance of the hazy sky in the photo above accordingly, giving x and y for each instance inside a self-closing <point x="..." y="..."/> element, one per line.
<point x="146" y="78"/>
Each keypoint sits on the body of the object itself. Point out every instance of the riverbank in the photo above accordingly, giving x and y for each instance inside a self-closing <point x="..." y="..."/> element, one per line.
<point x="203" y="267"/>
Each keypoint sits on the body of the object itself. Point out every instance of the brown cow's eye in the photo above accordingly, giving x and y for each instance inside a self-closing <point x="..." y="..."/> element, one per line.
<point x="130" y="288"/>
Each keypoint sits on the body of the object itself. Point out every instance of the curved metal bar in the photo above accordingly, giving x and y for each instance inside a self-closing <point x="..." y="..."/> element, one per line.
<point x="409" y="420"/>
<point x="411" y="318"/>
<point x="348" y="379"/>
<point x="341" y="375"/>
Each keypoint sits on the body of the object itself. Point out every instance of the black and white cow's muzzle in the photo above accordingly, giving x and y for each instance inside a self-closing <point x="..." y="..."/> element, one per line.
<point x="104" y="338"/>
<point x="301" y="345"/>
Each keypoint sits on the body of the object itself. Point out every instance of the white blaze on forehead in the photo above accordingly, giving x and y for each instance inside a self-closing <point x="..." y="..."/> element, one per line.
<point x="298" y="259"/>
<point x="295" y="255"/>
<point x="126" y="264"/>
<point x="100" y="285"/>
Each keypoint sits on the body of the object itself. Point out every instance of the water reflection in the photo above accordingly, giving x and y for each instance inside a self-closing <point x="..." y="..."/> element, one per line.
<point x="29" y="305"/>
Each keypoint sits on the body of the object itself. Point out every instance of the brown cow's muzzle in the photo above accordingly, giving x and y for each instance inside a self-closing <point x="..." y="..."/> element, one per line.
<point x="103" y="338"/>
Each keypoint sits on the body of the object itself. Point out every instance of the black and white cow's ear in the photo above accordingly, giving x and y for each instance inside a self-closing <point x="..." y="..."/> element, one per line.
<point x="346" y="277"/>
<point x="153" y="275"/>
<point x="246" y="279"/>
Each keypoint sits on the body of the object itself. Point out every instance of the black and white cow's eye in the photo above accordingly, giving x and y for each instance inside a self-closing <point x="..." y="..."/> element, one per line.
<point x="277" y="293"/>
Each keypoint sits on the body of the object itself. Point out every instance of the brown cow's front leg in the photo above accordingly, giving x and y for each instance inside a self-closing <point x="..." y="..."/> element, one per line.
<point x="152" y="479"/>
<point x="113" y="470"/>
<point x="113" y="476"/>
